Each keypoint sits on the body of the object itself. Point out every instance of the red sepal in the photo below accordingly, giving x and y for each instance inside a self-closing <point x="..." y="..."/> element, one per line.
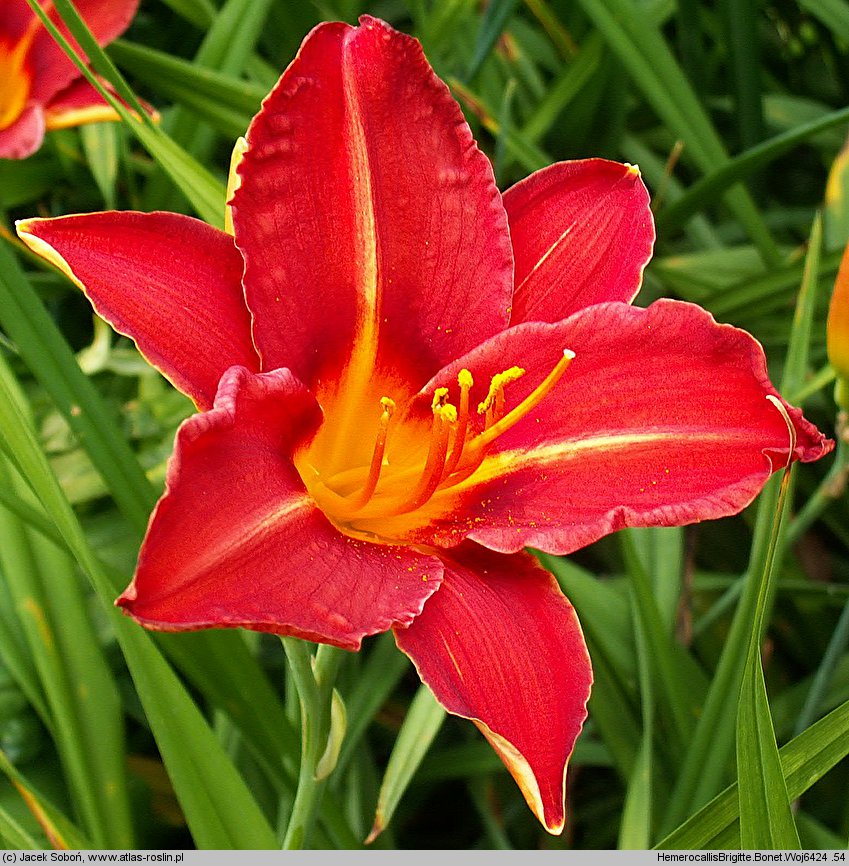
<point x="170" y="282"/>
<point x="24" y="136"/>
<point x="582" y="233"/>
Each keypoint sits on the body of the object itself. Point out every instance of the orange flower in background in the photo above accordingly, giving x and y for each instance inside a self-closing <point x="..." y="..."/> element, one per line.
<point x="405" y="377"/>
<point x="837" y="331"/>
<point x="40" y="88"/>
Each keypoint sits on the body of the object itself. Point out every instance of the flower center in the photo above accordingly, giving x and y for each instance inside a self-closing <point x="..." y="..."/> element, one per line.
<point x="14" y="80"/>
<point x="414" y="465"/>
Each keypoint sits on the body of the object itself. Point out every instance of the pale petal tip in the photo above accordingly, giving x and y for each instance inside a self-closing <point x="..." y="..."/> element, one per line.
<point x="375" y="831"/>
<point x="43" y="249"/>
<point x="525" y="778"/>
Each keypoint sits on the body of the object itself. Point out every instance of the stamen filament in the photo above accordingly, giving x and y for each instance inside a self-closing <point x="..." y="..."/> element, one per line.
<point x="360" y="497"/>
<point x="373" y="477"/>
<point x="443" y="417"/>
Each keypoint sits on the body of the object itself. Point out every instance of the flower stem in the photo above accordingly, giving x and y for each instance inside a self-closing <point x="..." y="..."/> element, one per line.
<point x="314" y="678"/>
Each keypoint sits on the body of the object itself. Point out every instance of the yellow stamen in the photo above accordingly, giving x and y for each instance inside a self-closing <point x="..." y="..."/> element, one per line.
<point x="440" y="395"/>
<point x="380" y="499"/>
<point x="464" y="379"/>
<point x="444" y="416"/>
<point x="376" y="457"/>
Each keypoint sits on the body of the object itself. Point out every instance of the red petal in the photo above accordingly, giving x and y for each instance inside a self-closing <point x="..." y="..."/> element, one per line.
<point x="14" y="19"/>
<point x="51" y="67"/>
<point x="367" y="214"/>
<point x="499" y="644"/>
<point x="81" y="103"/>
<point x="582" y="233"/>
<point x="237" y="541"/>
<point x="77" y="104"/>
<point x="170" y="282"/>
<point x="24" y="136"/>
<point x="661" y="419"/>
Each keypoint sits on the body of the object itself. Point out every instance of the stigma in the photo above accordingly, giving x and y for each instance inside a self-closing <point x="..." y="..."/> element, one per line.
<point x="401" y="482"/>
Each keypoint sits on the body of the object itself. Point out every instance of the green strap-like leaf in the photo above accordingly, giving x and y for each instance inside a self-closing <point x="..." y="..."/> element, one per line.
<point x="204" y="192"/>
<point x="766" y="821"/>
<point x="59" y="830"/>
<point x="707" y="190"/>
<point x="219" y="809"/>
<point x="644" y="53"/>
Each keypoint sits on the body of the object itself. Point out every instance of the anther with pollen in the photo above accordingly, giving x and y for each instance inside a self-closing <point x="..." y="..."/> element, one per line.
<point x="465" y="381"/>
<point x="493" y="405"/>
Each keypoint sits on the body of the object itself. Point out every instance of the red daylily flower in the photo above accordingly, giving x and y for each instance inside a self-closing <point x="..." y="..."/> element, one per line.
<point x="405" y="379"/>
<point x="40" y="88"/>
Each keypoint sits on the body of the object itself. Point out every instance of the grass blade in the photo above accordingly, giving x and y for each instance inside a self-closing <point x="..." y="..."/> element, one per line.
<point x="635" y="831"/>
<point x="83" y="710"/>
<point x="741" y="27"/>
<point x="375" y="681"/>
<point x="423" y="721"/>
<point x="226" y="48"/>
<point x="60" y="832"/>
<point x="766" y="821"/>
<point x="45" y="351"/>
<point x="204" y="192"/>
<point x="647" y="57"/>
<point x="708" y="189"/>
<point x="492" y="26"/>
<point x="804" y="761"/>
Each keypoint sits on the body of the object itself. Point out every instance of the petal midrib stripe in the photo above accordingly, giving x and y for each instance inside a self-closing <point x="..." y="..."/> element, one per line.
<point x="515" y="460"/>
<point x="354" y="380"/>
